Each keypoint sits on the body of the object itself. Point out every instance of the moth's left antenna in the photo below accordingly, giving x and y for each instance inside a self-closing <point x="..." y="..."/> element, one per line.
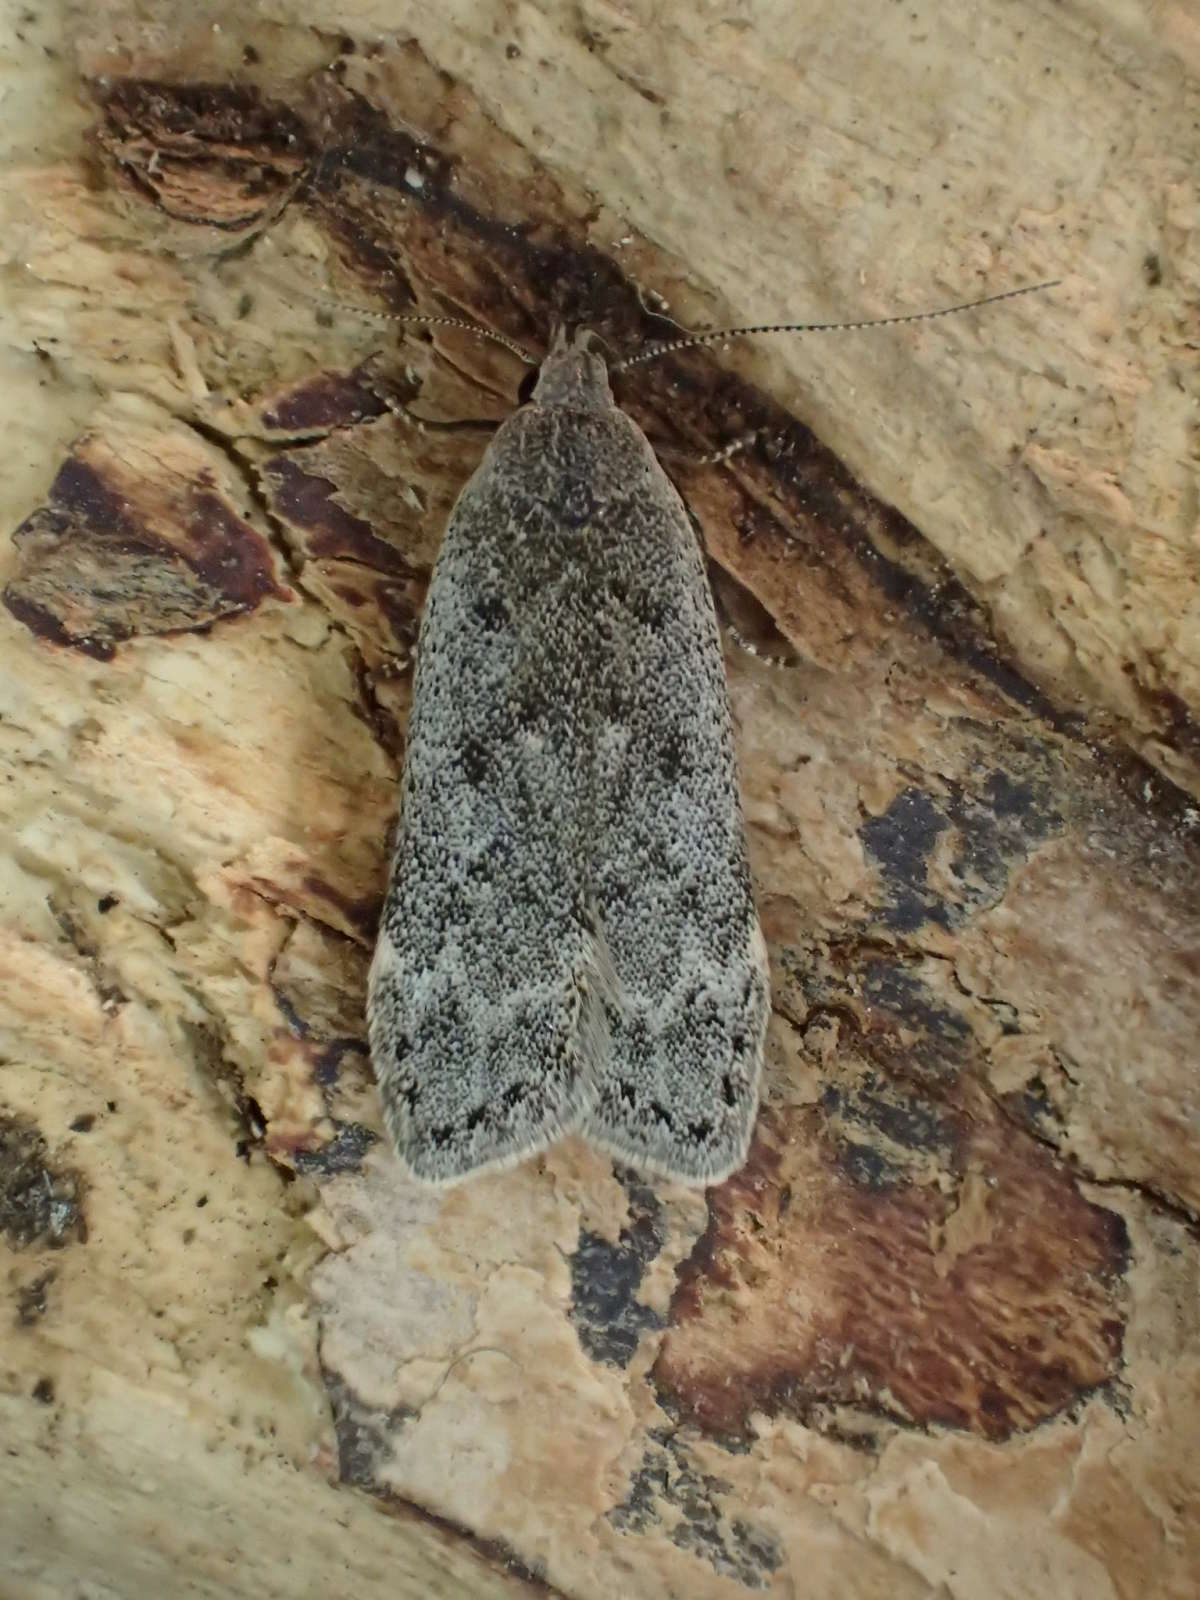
<point x="328" y="302"/>
<point x="313" y="171"/>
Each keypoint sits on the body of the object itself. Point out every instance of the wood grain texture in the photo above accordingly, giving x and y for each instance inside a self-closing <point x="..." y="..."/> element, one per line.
<point x="940" y="1336"/>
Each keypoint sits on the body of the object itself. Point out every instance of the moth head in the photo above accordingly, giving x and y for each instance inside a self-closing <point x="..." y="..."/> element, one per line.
<point x="574" y="373"/>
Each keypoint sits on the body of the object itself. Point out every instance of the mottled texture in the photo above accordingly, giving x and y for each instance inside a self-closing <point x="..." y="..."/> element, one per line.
<point x="569" y="939"/>
<point x="140" y="533"/>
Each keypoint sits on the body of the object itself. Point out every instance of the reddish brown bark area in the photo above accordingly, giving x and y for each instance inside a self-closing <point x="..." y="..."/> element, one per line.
<point x="827" y="1277"/>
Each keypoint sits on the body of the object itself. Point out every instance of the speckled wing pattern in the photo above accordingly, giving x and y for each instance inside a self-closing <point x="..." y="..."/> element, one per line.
<point x="569" y="940"/>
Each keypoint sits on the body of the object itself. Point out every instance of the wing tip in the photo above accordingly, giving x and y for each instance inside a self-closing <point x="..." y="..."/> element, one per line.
<point x="663" y="1161"/>
<point x="446" y="1168"/>
<point x="470" y="1143"/>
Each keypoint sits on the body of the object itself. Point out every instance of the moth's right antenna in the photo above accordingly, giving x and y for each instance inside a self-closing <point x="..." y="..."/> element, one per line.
<point x="716" y="335"/>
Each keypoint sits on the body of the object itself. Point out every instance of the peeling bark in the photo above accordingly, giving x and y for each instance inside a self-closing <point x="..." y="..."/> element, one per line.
<point x="941" y="1334"/>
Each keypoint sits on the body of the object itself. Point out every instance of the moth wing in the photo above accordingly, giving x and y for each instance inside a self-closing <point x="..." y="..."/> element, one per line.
<point x="687" y="1015"/>
<point x="484" y="1014"/>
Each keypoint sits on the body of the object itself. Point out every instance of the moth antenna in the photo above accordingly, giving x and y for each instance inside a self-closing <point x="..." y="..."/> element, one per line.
<point x="419" y="321"/>
<point x="330" y="303"/>
<point x="715" y="335"/>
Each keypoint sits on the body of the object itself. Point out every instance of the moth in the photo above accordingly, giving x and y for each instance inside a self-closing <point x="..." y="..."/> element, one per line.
<point x="569" y="939"/>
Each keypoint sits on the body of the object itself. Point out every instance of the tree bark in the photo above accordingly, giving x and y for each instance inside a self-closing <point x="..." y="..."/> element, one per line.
<point x="940" y="1336"/>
